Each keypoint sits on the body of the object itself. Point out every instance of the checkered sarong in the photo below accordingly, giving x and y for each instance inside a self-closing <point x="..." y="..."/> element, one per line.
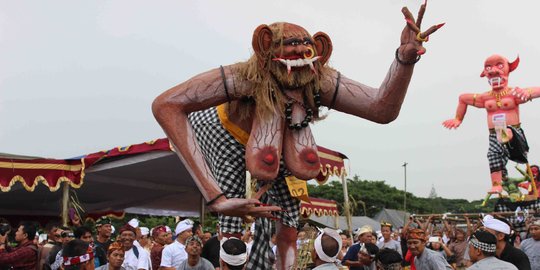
<point x="226" y="158"/>
<point x="498" y="154"/>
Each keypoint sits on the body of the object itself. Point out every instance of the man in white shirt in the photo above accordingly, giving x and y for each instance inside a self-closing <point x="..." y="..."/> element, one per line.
<point x="174" y="254"/>
<point x="134" y="258"/>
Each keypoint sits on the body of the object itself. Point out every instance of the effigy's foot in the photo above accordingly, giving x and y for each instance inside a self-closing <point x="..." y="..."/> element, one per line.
<point x="496" y="189"/>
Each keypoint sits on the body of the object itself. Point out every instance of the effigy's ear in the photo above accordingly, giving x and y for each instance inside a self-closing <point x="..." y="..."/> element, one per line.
<point x="323" y="45"/>
<point x="262" y="42"/>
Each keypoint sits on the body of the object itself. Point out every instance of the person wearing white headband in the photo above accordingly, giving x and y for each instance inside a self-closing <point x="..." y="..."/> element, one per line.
<point x="233" y="254"/>
<point x="174" y="254"/>
<point x="505" y="251"/>
<point x="327" y="247"/>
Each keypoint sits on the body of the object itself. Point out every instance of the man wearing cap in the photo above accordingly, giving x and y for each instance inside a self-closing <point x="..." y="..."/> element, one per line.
<point x="194" y="260"/>
<point x="327" y="247"/>
<point x="424" y="258"/>
<point x="505" y="251"/>
<point x="233" y="254"/>
<point x="134" y="257"/>
<point x="482" y="247"/>
<point x="531" y="246"/>
<point x="174" y="254"/>
<point x="351" y="259"/>
<point x="103" y="237"/>
<point x="161" y="237"/>
<point x="144" y="239"/>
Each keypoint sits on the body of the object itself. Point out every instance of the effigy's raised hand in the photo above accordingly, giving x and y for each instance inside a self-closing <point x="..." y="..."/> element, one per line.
<point x="452" y="123"/>
<point x="522" y="94"/>
<point x="412" y="37"/>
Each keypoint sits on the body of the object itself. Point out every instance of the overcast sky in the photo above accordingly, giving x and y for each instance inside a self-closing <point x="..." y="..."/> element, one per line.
<point x="78" y="77"/>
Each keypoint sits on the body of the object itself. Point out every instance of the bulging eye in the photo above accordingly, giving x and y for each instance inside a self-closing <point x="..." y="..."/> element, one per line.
<point x="488" y="68"/>
<point x="500" y="66"/>
<point x="295" y="43"/>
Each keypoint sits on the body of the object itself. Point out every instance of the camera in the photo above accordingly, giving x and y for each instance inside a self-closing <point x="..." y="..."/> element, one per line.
<point x="4" y="229"/>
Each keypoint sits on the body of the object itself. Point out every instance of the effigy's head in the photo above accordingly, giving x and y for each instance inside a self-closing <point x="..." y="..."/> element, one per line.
<point x="290" y="53"/>
<point x="496" y="69"/>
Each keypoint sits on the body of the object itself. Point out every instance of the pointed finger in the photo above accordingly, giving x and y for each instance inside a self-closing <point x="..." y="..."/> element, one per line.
<point x="259" y="209"/>
<point x="262" y="190"/>
<point x="421" y="14"/>
<point x="408" y="15"/>
<point x="431" y="30"/>
<point x="412" y="25"/>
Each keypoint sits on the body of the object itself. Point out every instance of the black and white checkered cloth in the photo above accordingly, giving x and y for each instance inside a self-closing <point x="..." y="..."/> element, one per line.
<point x="483" y="246"/>
<point x="226" y="158"/>
<point x="505" y="205"/>
<point x="498" y="155"/>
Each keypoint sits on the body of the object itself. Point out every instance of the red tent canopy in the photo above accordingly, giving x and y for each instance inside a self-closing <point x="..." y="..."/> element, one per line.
<point x="146" y="178"/>
<point x="319" y="207"/>
<point x="331" y="164"/>
<point x="51" y="172"/>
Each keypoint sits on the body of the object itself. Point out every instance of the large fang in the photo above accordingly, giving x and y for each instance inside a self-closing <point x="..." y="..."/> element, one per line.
<point x="312" y="68"/>
<point x="496" y="80"/>
<point x="288" y="68"/>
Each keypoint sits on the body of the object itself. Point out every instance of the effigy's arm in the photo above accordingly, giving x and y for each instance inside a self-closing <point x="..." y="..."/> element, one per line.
<point x="464" y="101"/>
<point x="171" y="110"/>
<point x="381" y="105"/>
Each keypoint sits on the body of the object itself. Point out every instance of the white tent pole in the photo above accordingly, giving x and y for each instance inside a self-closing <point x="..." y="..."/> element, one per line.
<point x="346" y="202"/>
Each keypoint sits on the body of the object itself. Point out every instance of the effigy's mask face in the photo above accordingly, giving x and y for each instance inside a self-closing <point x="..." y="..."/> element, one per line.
<point x="291" y="54"/>
<point x="497" y="69"/>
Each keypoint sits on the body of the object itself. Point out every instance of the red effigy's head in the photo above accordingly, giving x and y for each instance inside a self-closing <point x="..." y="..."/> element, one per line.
<point x="496" y="69"/>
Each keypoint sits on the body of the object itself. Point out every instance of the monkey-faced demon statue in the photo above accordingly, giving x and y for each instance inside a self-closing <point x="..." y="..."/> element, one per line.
<point x="255" y="116"/>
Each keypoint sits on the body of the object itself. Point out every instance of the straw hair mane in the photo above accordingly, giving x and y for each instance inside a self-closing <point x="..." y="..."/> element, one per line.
<point x="266" y="97"/>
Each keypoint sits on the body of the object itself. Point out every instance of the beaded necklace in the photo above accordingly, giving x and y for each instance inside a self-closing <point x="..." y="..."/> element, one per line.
<point x="499" y="95"/>
<point x="309" y="112"/>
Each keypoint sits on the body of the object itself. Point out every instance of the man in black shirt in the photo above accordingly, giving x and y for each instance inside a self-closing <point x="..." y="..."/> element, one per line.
<point x="505" y="251"/>
<point x="210" y="251"/>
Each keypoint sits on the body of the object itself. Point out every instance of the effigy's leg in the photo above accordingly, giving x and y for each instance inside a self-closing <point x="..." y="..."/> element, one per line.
<point x="286" y="246"/>
<point x="287" y="222"/>
<point x="497" y="158"/>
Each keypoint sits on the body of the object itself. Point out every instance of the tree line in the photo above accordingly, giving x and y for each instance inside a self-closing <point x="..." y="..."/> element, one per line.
<point x="369" y="197"/>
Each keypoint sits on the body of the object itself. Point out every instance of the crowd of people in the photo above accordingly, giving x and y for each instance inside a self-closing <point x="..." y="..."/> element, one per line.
<point x="489" y="243"/>
<point x="132" y="247"/>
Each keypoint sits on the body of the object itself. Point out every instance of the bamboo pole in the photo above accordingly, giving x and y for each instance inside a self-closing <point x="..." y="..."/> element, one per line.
<point x="473" y="215"/>
<point x="201" y="213"/>
<point x="65" y="203"/>
<point x="346" y="205"/>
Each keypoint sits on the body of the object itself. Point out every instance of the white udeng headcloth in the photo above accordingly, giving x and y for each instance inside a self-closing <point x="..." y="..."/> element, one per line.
<point x="318" y="246"/>
<point x="233" y="260"/>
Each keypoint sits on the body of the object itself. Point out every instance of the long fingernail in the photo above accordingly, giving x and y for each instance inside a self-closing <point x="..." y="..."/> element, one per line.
<point x="440" y="25"/>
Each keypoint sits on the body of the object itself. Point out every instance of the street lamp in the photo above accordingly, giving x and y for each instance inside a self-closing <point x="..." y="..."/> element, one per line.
<point x="405" y="194"/>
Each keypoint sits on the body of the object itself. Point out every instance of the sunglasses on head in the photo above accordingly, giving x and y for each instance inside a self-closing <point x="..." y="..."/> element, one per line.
<point x="67" y="234"/>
